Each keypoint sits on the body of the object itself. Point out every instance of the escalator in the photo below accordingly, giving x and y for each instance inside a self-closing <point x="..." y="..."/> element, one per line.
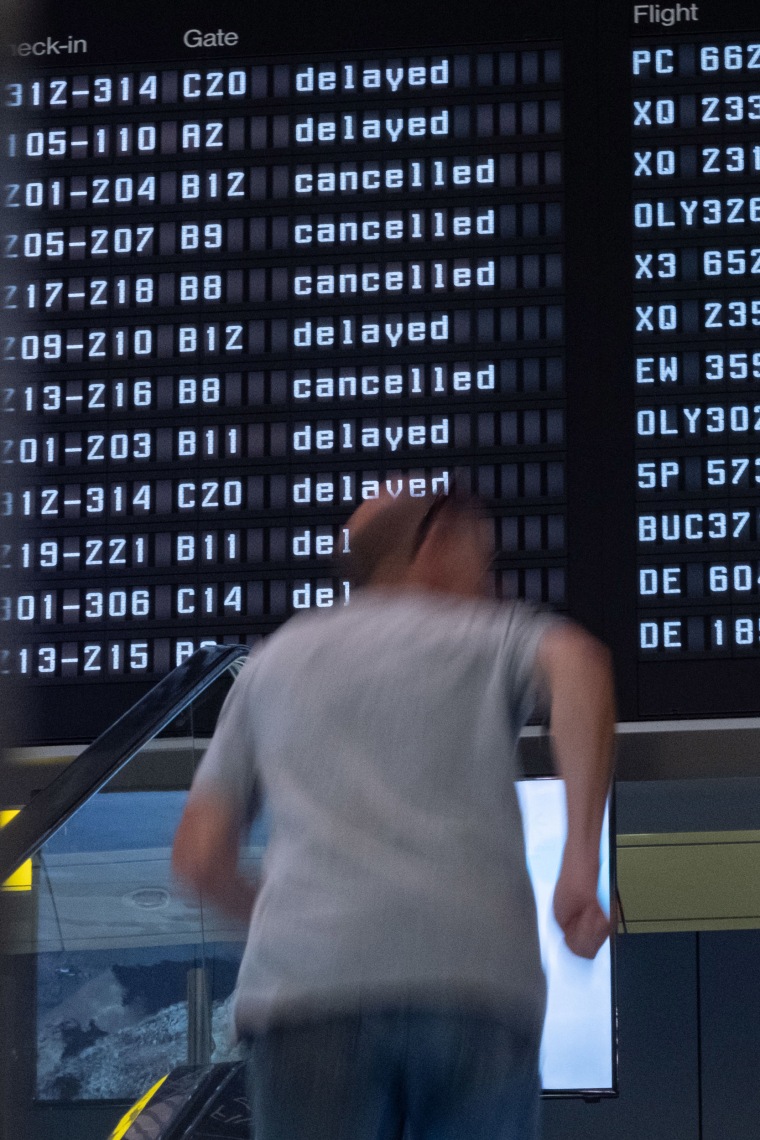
<point x="203" y="1102"/>
<point x="113" y="983"/>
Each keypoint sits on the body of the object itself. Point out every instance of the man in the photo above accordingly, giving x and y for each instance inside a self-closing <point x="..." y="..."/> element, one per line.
<point x="392" y="977"/>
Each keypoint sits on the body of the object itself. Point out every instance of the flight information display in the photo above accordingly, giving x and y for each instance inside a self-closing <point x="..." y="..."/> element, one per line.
<point x="696" y="224"/>
<point x="258" y="272"/>
<point x="695" y="109"/>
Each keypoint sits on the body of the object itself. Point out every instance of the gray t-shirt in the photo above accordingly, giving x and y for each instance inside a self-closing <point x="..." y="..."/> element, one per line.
<point x="383" y="736"/>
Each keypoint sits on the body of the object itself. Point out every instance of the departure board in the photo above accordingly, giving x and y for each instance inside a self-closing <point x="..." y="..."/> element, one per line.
<point x="261" y="267"/>
<point x="696" y="217"/>
<point x="695" y="109"/>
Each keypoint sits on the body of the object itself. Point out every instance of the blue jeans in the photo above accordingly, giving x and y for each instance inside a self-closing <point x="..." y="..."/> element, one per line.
<point x="399" y="1073"/>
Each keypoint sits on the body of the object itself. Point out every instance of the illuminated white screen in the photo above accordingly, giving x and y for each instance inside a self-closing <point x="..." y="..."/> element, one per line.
<point x="577" y="1045"/>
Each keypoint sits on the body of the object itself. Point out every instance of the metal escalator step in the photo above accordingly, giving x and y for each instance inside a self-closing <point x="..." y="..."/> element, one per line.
<point x="184" y="1101"/>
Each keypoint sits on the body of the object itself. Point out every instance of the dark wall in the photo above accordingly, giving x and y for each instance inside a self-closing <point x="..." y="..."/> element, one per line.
<point x="689" y="1013"/>
<point x="658" y="1053"/>
<point x="689" y="1023"/>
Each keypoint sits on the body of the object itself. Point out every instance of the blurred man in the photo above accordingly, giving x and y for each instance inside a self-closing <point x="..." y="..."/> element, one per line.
<point x="392" y="976"/>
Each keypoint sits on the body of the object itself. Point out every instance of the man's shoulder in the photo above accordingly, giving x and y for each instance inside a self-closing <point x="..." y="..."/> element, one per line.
<point x="295" y="636"/>
<point x="405" y="614"/>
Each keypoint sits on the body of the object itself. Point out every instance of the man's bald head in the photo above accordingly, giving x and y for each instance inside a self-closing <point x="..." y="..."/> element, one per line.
<point x="433" y="542"/>
<point x="382" y="537"/>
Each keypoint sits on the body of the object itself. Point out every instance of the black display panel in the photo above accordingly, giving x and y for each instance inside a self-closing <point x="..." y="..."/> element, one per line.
<point x="259" y="270"/>
<point x="696" y="219"/>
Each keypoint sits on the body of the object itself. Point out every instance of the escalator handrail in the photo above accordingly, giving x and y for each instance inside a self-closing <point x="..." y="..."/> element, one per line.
<point x="54" y="804"/>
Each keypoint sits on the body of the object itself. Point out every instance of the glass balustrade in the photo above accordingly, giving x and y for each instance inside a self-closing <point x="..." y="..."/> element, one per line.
<point x="114" y="975"/>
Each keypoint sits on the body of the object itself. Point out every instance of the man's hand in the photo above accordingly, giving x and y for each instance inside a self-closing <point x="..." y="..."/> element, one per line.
<point x="577" y="910"/>
<point x="206" y="852"/>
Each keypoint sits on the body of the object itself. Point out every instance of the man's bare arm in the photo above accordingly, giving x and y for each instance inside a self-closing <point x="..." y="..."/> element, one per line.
<point x="206" y="853"/>
<point x="577" y="672"/>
